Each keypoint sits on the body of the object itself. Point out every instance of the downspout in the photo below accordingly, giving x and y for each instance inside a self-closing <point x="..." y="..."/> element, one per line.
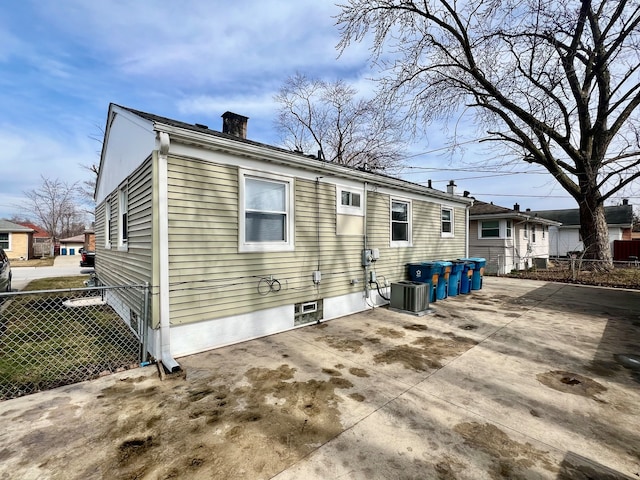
<point x="364" y="239"/>
<point x="466" y="241"/>
<point x="163" y="227"/>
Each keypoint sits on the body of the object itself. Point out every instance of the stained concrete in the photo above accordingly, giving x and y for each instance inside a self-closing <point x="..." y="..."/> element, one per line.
<point x="518" y="380"/>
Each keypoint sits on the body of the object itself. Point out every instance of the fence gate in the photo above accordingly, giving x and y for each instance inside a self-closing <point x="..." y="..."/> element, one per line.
<point x="51" y="338"/>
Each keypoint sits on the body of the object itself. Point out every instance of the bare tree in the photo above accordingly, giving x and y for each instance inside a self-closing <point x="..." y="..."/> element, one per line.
<point x="54" y="206"/>
<point x="329" y="116"/>
<point x="555" y="81"/>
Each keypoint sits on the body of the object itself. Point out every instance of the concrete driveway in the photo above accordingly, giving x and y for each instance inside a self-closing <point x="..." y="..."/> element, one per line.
<point x="520" y="380"/>
<point x="64" y="266"/>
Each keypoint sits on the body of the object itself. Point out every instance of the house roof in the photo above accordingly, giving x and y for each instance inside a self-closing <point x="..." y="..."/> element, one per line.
<point x="198" y="133"/>
<point x="483" y="210"/>
<point x="7" y="226"/>
<point x="75" y="239"/>
<point x="621" y="215"/>
<point x="39" y="232"/>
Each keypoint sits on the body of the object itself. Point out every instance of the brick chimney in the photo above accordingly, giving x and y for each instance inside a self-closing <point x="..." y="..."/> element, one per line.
<point x="234" y="124"/>
<point x="516" y="207"/>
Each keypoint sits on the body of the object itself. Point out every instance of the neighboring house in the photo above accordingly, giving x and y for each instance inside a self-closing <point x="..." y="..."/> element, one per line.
<point x="71" y="245"/>
<point x="241" y="240"/>
<point x="42" y="245"/>
<point x="508" y="239"/>
<point x="89" y="240"/>
<point x="567" y="237"/>
<point x="16" y="240"/>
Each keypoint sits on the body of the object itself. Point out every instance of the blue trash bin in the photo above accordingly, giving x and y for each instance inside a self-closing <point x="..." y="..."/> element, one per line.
<point x="442" y="289"/>
<point x="426" y="272"/>
<point x="478" y="272"/>
<point x="466" y="277"/>
<point x="455" y="277"/>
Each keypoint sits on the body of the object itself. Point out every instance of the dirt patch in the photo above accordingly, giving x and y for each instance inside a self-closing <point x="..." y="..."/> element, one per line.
<point x="390" y="332"/>
<point x="341" y="343"/>
<point x="202" y="428"/>
<point x="618" y="277"/>
<point x="428" y="352"/>
<point x="568" y="382"/>
<point x="510" y="459"/>
<point x="358" y="372"/>
<point x="416" y="327"/>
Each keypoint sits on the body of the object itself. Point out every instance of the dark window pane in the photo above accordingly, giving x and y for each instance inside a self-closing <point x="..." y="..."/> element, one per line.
<point x="399" y="232"/>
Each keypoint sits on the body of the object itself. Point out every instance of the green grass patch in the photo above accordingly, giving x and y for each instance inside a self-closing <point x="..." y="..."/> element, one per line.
<point x="45" y="344"/>
<point x="36" y="262"/>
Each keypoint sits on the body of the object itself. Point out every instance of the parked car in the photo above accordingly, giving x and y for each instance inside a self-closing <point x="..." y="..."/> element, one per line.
<point x="5" y="272"/>
<point x="88" y="258"/>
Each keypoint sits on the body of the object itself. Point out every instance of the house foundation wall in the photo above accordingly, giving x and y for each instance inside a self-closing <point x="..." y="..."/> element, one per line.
<point x="189" y="339"/>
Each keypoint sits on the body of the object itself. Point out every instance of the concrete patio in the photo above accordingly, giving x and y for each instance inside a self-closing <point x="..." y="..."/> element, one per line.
<point x="520" y="380"/>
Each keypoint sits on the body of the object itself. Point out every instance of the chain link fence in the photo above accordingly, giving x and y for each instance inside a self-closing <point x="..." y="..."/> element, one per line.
<point x="51" y="338"/>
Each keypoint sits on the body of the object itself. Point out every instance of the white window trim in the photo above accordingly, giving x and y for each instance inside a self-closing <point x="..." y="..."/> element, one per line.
<point x="8" y="249"/>
<point x="286" y="246"/>
<point x="450" y="234"/>
<point x="107" y="223"/>
<point x="123" y="207"/>
<point x="348" y="209"/>
<point x="401" y="243"/>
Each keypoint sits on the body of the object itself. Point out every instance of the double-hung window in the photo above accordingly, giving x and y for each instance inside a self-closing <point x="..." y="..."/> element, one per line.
<point x="123" y="218"/>
<point x="446" y="223"/>
<point x="107" y="223"/>
<point x="400" y="223"/>
<point x="4" y="241"/>
<point x="266" y="222"/>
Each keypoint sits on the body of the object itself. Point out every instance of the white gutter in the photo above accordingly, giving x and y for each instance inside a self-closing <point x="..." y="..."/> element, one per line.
<point x="163" y="226"/>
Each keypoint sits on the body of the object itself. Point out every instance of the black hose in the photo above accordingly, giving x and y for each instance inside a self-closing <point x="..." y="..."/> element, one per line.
<point x="380" y="293"/>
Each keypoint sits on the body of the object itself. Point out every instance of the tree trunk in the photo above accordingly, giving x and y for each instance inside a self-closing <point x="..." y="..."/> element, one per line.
<point x="595" y="232"/>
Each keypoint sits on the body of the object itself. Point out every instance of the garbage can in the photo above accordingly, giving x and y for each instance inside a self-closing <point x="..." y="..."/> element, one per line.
<point x="455" y="277"/>
<point x="443" y="280"/>
<point x="478" y="272"/>
<point x="426" y="272"/>
<point x="466" y="276"/>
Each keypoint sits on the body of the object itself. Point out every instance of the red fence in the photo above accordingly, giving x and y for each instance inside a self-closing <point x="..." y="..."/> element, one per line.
<point x="623" y="250"/>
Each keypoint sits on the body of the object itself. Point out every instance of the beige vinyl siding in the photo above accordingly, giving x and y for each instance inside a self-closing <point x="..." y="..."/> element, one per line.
<point x="133" y="266"/>
<point x="209" y="278"/>
<point x="428" y="244"/>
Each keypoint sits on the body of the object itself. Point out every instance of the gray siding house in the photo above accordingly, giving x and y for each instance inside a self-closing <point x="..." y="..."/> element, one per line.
<point x="508" y="238"/>
<point x="240" y="239"/>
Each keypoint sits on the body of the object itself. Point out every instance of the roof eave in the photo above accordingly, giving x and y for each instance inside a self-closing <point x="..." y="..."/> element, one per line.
<point x="300" y="161"/>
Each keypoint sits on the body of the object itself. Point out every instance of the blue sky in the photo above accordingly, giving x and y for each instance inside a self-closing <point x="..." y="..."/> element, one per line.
<point x="62" y="63"/>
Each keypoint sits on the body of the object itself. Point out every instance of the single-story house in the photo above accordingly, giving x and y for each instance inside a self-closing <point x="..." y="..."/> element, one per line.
<point x="567" y="237"/>
<point x="16" y="240"/>
<point x="71" y="245"/>
<point x="240" y="239"/>
<point x="42" y="244"/>
<point x="508" y="238"/>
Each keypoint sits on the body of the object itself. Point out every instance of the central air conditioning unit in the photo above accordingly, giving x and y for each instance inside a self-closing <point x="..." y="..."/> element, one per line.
<point x="408" y="296"/>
